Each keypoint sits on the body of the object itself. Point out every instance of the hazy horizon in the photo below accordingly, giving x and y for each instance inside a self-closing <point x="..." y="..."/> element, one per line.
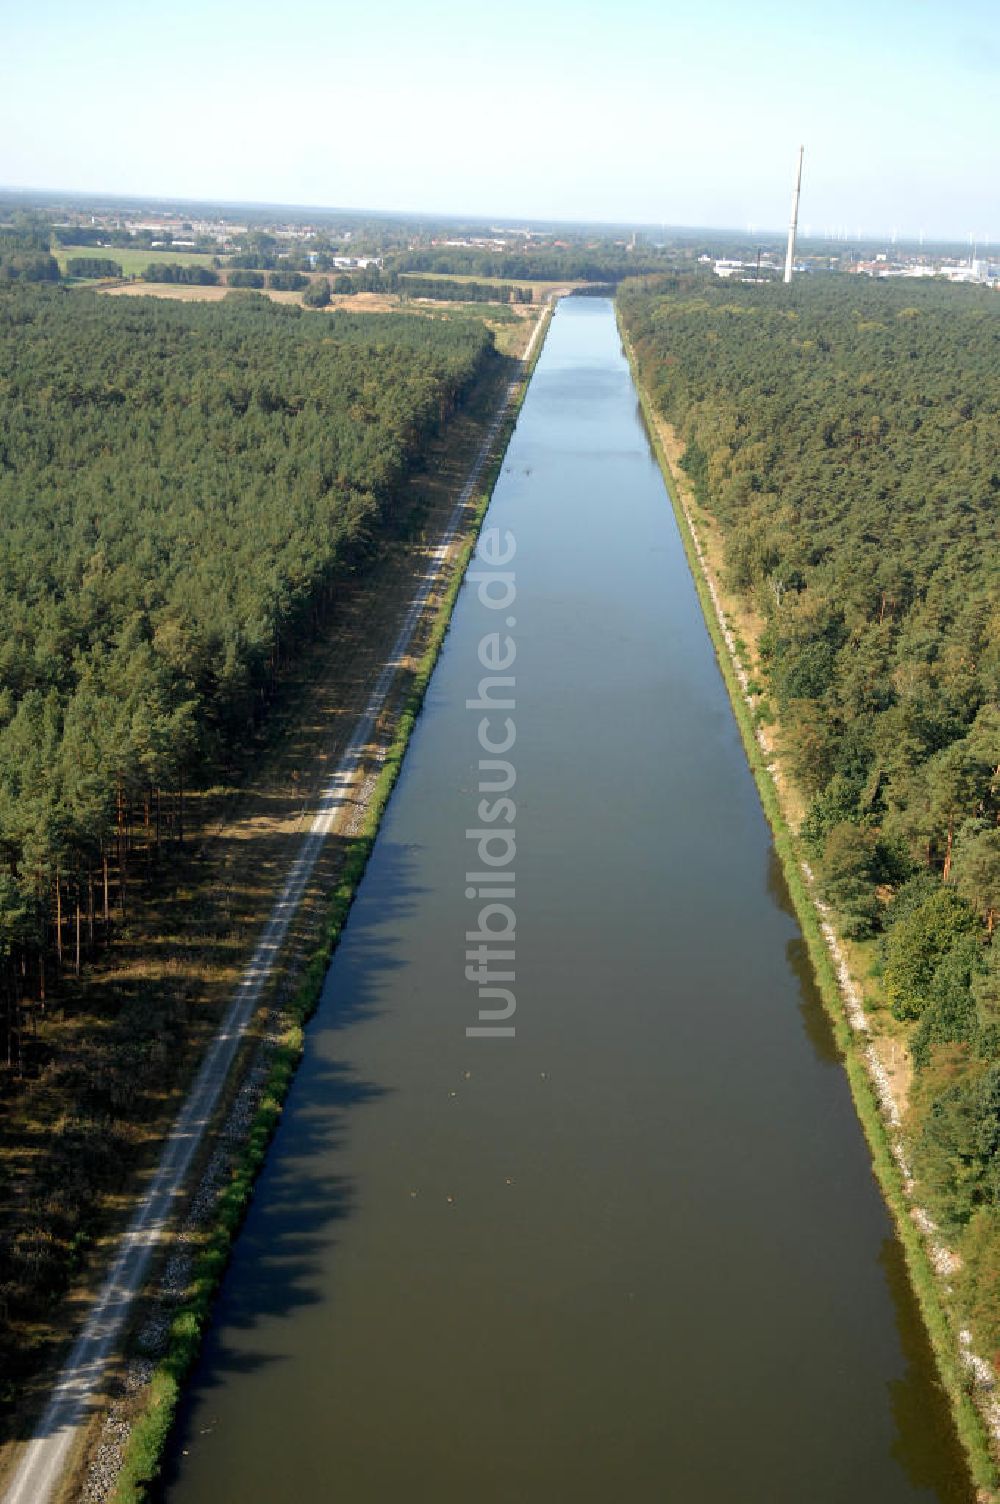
<point x="508" y="222"/>
<point x="631" y="114"/>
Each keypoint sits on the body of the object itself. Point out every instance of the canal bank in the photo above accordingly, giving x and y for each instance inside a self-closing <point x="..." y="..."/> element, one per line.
<point x="635" y="1250"/>
<point x="927" y="1260"/>
<point x="282" y="1052"/>
<point x="329" y="835"/>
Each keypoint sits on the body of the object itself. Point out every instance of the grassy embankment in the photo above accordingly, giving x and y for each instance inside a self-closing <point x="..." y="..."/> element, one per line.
<point x="150" y="1432"/>
<point x="159" y="988"/>
<point x="923" y="1279"/>
<point x="75" y="1150"/>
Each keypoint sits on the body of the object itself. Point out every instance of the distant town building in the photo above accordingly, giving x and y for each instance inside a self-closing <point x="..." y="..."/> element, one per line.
<point x="976" y="270"/>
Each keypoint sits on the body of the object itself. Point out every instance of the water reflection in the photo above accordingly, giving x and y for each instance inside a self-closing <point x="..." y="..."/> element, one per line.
<point x="925" y="1444"/>
<point x="635" y="1255"/>
<point x="815" y="1019"/>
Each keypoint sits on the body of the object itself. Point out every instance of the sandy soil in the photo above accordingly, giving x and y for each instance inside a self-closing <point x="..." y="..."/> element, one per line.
<point x="186" y="293"/>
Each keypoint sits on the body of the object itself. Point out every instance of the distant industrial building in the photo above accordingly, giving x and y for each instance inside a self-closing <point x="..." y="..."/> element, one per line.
<point x="744" y="271"/>
<point x="976" y="270"/>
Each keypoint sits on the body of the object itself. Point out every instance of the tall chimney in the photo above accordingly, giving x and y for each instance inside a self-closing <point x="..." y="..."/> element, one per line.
<point x="793" y="223"/>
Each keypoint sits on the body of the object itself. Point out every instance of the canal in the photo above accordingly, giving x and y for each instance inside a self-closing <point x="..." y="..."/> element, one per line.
<point x="632" y="1250"/>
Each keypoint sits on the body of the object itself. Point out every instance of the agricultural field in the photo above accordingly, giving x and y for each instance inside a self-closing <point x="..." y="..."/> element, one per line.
<point x="185" y="292"/>
<point x="132" y="262"/>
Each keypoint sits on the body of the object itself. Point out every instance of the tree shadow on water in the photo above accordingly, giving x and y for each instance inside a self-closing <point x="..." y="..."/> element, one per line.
<point x="370" y="947"/>
<point x="815" y="1020"/>
<point x="925" y="1443"/>
<point x="282" y="1262"/>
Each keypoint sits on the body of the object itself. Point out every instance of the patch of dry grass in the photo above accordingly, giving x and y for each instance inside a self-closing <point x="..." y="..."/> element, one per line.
<point x="186" y="292"/>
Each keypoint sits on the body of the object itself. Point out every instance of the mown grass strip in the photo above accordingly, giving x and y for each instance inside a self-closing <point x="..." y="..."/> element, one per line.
<point x="151" y="1429"/>
<point x="925" y="1283"/>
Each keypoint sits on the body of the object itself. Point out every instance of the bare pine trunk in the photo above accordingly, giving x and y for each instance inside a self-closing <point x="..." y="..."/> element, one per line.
<point x="947" y="855"/>
<point x="122" y="845"/>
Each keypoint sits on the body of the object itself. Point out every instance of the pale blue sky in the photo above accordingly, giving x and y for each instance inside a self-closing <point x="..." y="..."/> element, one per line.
<point x="685" y="113"/>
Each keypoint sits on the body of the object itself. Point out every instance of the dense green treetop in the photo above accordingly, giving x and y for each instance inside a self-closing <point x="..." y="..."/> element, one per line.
<point x="577" y="263"/>
<point x="181" y="488"/>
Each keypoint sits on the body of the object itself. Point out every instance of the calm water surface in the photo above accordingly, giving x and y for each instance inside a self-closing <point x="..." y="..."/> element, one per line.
<point x="634" y="1253"/>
